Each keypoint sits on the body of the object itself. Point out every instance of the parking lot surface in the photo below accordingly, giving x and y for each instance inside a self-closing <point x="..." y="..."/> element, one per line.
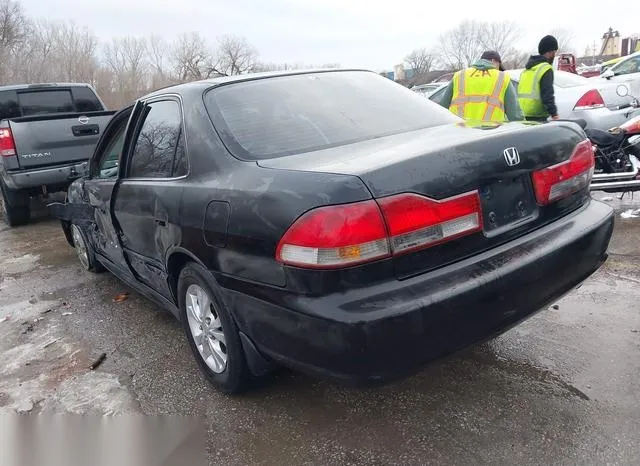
<point x="561" y="388"/>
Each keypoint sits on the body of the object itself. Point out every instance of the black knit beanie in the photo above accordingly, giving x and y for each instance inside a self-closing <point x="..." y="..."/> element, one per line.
<point x="547" y="44"/>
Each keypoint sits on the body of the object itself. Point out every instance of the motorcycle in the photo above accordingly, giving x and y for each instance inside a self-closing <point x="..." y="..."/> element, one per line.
<point x="617" y="157"/>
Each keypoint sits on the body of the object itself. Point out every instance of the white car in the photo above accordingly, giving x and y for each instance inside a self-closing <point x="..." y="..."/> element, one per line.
<point x="625" y="71"/>
<point x="426" y="89"/>
<point x="601" y="104"/>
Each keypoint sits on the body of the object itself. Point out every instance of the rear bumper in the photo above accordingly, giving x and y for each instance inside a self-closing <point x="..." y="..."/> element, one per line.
<point x="59" y="176"/>
<point x="389" y="329"/>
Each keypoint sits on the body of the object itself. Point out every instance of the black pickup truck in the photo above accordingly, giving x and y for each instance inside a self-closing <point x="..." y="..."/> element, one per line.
<point x="47" y="134"/>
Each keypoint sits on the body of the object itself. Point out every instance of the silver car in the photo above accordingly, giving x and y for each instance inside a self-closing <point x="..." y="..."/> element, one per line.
<point x="426" y="89"/>
<point x="602" y="105"/>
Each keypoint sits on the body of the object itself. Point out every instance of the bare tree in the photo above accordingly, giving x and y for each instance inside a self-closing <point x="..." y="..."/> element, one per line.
<point x="565" y="40"/>
<point x="462" y="45"/>
<point x="76" y="52"/>
<point x="192" y="57"/>
<point x="420" y="61"/>
<point x="126" y="57"/>
<point x="515" y="60"/>
<point x="159" y="60"/>
<point x="459" y="46"/>
<point x="13" y="24"/>
<point x="234" y="55"/>
<point x="14" y="27"/>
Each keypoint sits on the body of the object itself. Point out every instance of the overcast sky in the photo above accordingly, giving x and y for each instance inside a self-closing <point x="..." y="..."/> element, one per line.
<point x="355" y="33"/>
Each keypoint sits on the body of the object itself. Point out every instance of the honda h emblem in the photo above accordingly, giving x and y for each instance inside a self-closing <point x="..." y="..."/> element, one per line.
<point x="511" y="156"/>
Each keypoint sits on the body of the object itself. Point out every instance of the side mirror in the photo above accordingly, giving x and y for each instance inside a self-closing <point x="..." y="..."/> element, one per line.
<point x="608" y="74"/>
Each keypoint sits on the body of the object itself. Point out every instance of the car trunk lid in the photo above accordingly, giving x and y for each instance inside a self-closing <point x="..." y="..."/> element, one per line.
<point x="440" y="163"/>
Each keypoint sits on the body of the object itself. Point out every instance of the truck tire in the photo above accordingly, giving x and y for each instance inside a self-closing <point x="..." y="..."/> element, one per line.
<point x="15" y="206"/>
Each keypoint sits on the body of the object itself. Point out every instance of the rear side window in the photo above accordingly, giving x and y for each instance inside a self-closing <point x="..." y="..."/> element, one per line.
<point x="86" y="100"/>
<point x="158" y="141"/>
<point x="9" y="105"/>
<point x="285" y="115"/>
<point x="43" y="102"/>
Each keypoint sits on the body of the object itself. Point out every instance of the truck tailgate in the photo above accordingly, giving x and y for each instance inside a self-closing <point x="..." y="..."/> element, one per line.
<point x="57" y="139"/>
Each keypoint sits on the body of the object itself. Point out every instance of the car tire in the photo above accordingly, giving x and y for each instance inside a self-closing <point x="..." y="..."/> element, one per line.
<point x="211" y="331"/>
<point x="84" y="250"/>
<point x="15" y="208"/>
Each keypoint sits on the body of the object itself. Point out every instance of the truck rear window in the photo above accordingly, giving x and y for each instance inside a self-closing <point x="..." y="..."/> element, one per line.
<point x="9" y="105"/>
<point x="284" y="115"/>
<point x="43" y="102"/>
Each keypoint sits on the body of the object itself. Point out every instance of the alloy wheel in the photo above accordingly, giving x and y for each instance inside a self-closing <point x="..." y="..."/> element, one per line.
<point x="206" y="328"/>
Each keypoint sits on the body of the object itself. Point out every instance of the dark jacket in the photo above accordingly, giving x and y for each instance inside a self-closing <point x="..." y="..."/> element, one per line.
<point x="512" y="109"/>
<point x="546" y="85"/>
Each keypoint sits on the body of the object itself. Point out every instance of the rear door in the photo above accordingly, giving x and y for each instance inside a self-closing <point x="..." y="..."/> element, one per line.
<point x="148" y="199"/>
<point x="56" y="125"/>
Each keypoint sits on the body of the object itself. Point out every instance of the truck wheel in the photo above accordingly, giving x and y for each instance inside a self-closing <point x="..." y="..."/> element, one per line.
<point x="15" y="207"/>
<point x="84" y="250"/>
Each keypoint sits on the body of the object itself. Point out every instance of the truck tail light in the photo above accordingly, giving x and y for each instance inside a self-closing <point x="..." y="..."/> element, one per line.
<point x="562" y="180"/>
<point x="345" y="235"/>
<point x="7" y="145"/>
<point x="591" y="99"/>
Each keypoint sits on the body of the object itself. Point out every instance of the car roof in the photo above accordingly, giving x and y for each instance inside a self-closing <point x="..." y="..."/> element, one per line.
<point x="19" y="87"/>
<point x="223" y="80"/>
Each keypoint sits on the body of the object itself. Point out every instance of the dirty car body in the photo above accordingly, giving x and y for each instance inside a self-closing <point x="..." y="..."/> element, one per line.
<point x="347" y="226"/>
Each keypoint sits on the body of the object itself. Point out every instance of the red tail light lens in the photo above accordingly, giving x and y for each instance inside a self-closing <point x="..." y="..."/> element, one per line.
<point x="592" y="99"/>
<point x="561" y="180"/>
<point x="7" y="146"/>
<point x="345" y="235"/>
<point x="416" y="222"/>
<point x="335" y="236"/>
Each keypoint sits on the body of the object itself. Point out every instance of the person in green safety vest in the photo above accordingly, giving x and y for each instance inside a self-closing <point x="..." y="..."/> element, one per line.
<point x="483" y="92"/>
<point x="535" y="88"/>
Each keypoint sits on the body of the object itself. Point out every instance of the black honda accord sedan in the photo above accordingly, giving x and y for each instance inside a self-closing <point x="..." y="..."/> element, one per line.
<point x="334" y="221"/>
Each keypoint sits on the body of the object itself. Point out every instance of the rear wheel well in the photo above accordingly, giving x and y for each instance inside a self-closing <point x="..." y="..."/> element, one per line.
<point x="175" y="264"/>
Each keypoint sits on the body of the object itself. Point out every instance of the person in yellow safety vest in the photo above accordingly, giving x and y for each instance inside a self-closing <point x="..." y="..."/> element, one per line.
<point x="483" y="92"/>
<point x="535" y="88"/>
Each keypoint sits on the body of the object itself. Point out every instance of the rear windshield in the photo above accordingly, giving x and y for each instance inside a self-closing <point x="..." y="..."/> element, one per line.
<point x="42" y="102"/>
<point x="278" y="116"/>
<point x="16" y="103"/>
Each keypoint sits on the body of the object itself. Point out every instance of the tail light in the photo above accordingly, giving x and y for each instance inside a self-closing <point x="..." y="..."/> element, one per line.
<point x="7" y="146"/>
<point x="591" y="99"/>
<point x="416" y="222"/>
<point x="561" y="180"/>
<point x="335" y="236"/>
<point x="345" y="235"/>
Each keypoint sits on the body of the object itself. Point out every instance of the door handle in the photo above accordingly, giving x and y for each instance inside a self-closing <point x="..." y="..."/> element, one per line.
<point x="162" y="223"/>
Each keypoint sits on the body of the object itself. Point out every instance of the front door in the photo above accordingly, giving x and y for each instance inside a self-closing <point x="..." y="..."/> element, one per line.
<point x="100" y="186"/>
